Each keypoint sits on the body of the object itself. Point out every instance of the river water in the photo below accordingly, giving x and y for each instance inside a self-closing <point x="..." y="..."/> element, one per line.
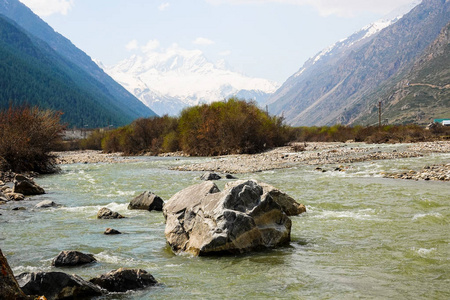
<point x="363" y="236"/>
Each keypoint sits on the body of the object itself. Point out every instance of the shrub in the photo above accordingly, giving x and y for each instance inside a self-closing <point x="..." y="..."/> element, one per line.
<point x="27" y="135"/>
<point x="143" y="135"/>
<point x="93" y="141"/>
<point x="230" y="127"/>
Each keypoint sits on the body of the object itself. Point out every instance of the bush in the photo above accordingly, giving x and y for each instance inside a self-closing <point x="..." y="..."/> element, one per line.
<point x="143" y="135"/>
<point x="230" y="127"/>
<point x="93" y="141"/>
<point x="27" y="135"/>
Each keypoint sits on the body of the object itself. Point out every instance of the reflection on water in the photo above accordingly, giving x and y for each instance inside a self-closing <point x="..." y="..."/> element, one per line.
<point x="362" y="237"/>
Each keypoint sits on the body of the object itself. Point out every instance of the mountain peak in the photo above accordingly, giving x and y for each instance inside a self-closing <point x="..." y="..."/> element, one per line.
<point x="337" y="85"/>
<point x="185" y="77"/>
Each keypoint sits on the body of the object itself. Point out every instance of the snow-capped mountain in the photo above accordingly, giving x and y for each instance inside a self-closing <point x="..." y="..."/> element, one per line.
<point x="167" y="81"/>
<point x="333" y="86"/>
<point x="358" y="38"/>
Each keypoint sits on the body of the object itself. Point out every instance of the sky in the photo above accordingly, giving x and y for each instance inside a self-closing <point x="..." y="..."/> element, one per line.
<point x="260" y="38"/>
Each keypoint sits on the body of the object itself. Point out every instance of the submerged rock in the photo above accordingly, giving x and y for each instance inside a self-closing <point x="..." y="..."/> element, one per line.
<point x="202" y="220"/>
<point x="46" y="204"/>
<point x="19" y="208"/>
<point x="123" y="280"/>
<point x="287" y="203"/>
<point x="26" y="186"/>
<point x="112" y="231"/>
<point x="147" y="201"/>
<point x="72" y="258"/>
<point x="9" y="288"/>
<point x="106" y="213"/>
<point x="210" y="176"/>
<point x="57" y="285"/>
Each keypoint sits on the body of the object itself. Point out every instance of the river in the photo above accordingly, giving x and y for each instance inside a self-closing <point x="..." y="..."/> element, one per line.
<point x="363" y="236"/>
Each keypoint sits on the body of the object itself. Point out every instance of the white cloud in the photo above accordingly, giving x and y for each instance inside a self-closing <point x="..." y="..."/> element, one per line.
<point x="344" y="8"/>
<point x="150" y="46"/>
<point x="225" y="53"/>
<point x="132" y="45"/>
<point x="164" y="6"/>
<point x="202" y="41"/>
<point x="45" y="8"/>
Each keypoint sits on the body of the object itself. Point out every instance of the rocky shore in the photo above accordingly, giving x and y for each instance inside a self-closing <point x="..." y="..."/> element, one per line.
<point x="89" y="157"/>
<point x="297" y="154"/>
<point x="315" y="154"/>
<point x="434" y="172"/>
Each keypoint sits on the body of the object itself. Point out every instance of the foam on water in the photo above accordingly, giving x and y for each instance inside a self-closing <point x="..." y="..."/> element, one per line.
<point x="105" y="256"/>
<point x="29" y="269"/>
<point x="118" y="193"/>
<point x="424" y="252"/>
<point x="89" y="208"/>
<point x="364" y="214"/>
<point x="420" y="216"/>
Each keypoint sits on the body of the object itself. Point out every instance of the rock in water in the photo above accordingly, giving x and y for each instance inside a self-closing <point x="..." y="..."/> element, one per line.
<point x="123" y="280"/>
<point x="111" y="231"/>
<point x="287" y="203"/>
<point x="46" y="204"/>
<point x="202" y="220"/>
<point x="57" y="285"/>
<point x="26" y="186"/>
<point x="106" y="213"/>
<point x="9" y="288"/>
<point x="210" y="176"/>
<point x="147" y="201"/>
<point x="72" y="258"/>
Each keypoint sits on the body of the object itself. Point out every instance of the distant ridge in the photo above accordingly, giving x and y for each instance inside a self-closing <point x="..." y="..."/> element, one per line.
<point x="342" y="84"/>
<point x="118" y="106"/>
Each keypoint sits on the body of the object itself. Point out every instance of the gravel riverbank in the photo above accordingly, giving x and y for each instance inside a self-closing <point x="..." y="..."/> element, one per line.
<point x="315" y="154"/>
<point x="297" y="154"/>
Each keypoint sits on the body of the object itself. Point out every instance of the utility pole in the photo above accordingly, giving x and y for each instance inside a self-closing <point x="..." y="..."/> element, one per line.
<point x="379" y="114"/>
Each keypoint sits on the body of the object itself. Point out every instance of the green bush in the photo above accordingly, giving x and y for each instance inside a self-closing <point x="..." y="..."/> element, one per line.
<point x="143" y="136"/>
<point x="93" y="141"/>
<point x="230" y="127"/>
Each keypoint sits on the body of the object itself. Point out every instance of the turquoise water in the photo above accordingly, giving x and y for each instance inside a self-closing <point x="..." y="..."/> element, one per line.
<point x="363" y="236"/>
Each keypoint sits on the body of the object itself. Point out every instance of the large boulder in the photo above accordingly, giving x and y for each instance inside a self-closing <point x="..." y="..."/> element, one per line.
<point x="287" y="203"/>
<point x="147" y="201"/>
<point x="9" y="288"/>
<point x="202" y="220"/>
<point x="106" y="213"/>
<point x="26" y="186"/>
<point x="57" y="285"/>
<point x="123" y="280"/>
<point x="72" y="258"/>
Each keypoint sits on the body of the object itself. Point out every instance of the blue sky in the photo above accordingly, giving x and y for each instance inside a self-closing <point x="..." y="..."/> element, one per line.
<point x="260" y="38"/>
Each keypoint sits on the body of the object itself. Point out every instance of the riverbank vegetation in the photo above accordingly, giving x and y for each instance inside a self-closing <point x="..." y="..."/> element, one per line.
<point x="27" y="135"/>
<point x="237" y="126"/>
<point x="230" y="127"/>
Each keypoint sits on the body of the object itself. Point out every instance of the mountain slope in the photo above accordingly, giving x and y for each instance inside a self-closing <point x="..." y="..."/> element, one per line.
<point x="336" y="89"/>
<point x="126" y="103"/>
<point x="32" y="73"/>
<point x="422" y="93"/>
<point x="171" y="80"/>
